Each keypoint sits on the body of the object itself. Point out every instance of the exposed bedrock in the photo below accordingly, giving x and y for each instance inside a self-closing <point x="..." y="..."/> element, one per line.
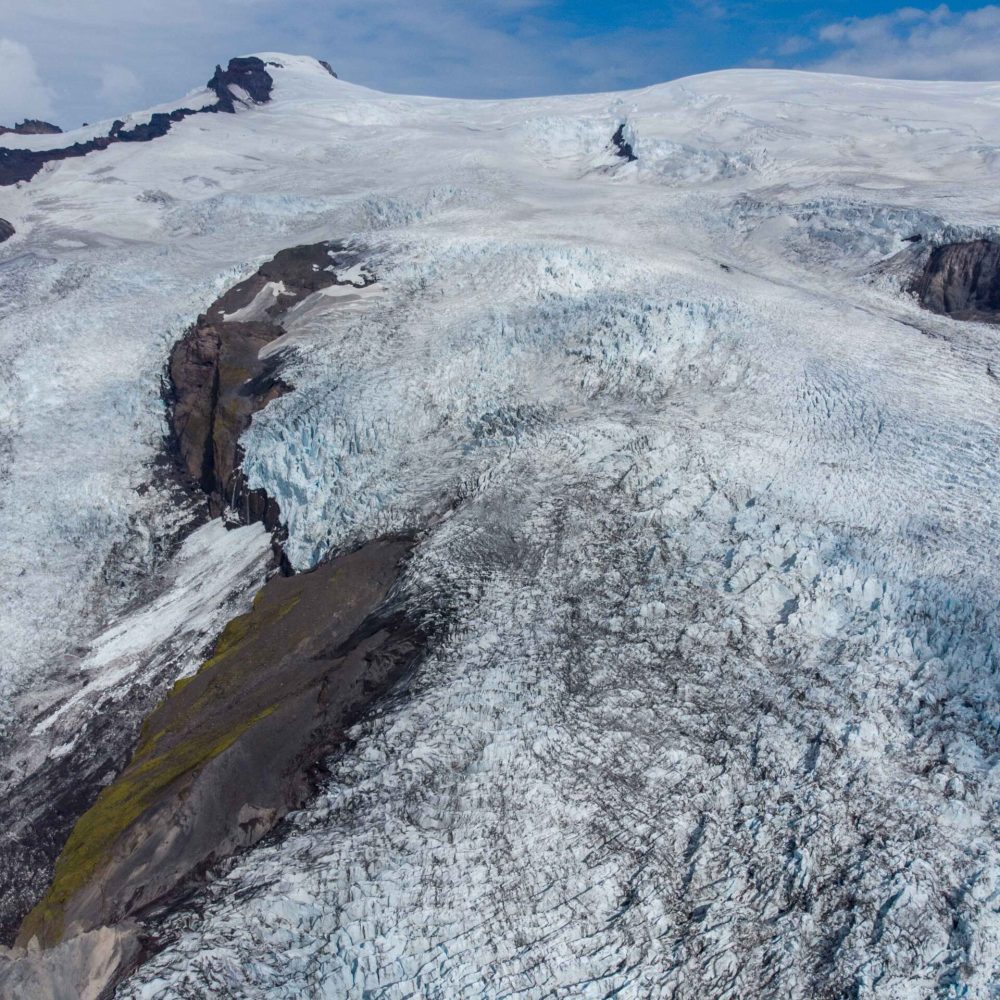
<point x="230" y="751"/>
<point x="48" y="801"/>
<point x="623" y="147"/>
<point x="31" y="126"/>
<point x="962" y="280"/>
<point x="218" y="379"/>
<point x="248" y="74"/>
<point x="6" y="230"/>
<point x="81" y="968"/>
<point x="22" y="164"/>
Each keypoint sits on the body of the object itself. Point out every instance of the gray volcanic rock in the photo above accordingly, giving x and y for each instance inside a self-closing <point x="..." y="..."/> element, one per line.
<point x="6" y="230"/>
<point x="962" y="280"/>
<point x="32" y="126"/>
<point x="212" y="403"/>
<point x="78" y="969"/>
<point x="229" y="751"/>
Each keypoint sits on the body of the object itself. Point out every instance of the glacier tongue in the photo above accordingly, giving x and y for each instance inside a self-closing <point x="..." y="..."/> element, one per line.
<point x="707" y="507"/>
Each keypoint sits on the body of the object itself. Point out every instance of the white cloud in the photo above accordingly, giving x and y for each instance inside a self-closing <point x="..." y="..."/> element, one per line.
<point x="487" y="48"/>
<point x="712" y="8"/>
<point x="914" y="44"/>
<point x="119" y="86"/>
<point x="22" y="93"/>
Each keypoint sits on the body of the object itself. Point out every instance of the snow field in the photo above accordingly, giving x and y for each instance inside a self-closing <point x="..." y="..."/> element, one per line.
<point x="712" y="709"/>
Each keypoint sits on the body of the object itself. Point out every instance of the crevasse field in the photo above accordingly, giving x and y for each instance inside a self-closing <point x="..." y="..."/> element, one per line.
<point x="708" y="508"/>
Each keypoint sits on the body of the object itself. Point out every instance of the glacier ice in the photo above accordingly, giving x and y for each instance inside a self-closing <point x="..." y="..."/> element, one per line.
<point x="707" y="519"/>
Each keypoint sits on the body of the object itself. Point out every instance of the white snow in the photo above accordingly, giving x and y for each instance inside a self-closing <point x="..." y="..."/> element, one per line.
<point x="257" y="308"/>
<point x="196" y="602"/>
<point x="714" y="708"/>
<point x="211" y="579"/>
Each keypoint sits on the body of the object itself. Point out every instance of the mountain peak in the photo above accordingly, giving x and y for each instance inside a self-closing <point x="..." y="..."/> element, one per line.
<point x="244" y="75"/>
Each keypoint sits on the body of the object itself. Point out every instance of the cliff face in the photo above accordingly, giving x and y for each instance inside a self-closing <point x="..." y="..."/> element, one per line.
<point x="218" y="379"/>
<point x="247" y="73"/>
<point x="962" y="280"/>
<point x="216" y="383"/>
<point x="6" y="230"/>
<point x="228" y="752"/>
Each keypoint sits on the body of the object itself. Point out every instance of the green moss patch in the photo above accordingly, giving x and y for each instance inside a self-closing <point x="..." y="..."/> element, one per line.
<point x="275" y="657"/>
<point x="178" y="738"/>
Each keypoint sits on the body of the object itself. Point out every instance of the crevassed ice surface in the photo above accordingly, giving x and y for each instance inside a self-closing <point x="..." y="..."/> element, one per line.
<point x="713" y="706"/>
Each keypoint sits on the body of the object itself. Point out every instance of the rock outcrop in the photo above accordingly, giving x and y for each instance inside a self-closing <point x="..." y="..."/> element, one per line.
<point x="31" y="126"/>
<point x="230" y="751"/>
<point x="218" y="379"/>
<point x="23" y="164"/>
<point x="6" y="230"/>
<point x="80" y="968"/>
<point x="962" y="280"/>
<point x="49" y="801"/>
<point x="247" y="74"/>
<point x="217" y="382"/>
<point x="623" y="147"/>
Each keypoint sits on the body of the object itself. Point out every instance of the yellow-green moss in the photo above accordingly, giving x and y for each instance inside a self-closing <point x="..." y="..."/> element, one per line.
<point x="122" y="803"/>
<point x="192" y="736"/>
<point x="116" y="809"/>
<point x="234" y="633"/>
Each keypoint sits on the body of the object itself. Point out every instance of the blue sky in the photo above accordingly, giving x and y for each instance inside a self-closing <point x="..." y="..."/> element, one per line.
<point x="72" y="60"/>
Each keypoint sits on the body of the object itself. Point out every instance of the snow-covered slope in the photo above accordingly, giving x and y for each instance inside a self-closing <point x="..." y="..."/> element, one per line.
<point x="708" y="508"/>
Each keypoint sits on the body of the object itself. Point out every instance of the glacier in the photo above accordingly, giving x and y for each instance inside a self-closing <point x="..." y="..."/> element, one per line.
<point x="706" y="508"/>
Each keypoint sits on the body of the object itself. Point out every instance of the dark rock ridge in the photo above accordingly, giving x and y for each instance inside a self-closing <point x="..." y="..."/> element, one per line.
<point x="48" y="802"/>
<point x="6" y="230"/>
<point x="31" y="126"/>
<point x="230" y="751"/>
<point x="217" y="380"/>
<point x="623" y="148"/>
<point x="248" y="73"/>
<point x="962" y="280"/>
<point x="22" y="164"/>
